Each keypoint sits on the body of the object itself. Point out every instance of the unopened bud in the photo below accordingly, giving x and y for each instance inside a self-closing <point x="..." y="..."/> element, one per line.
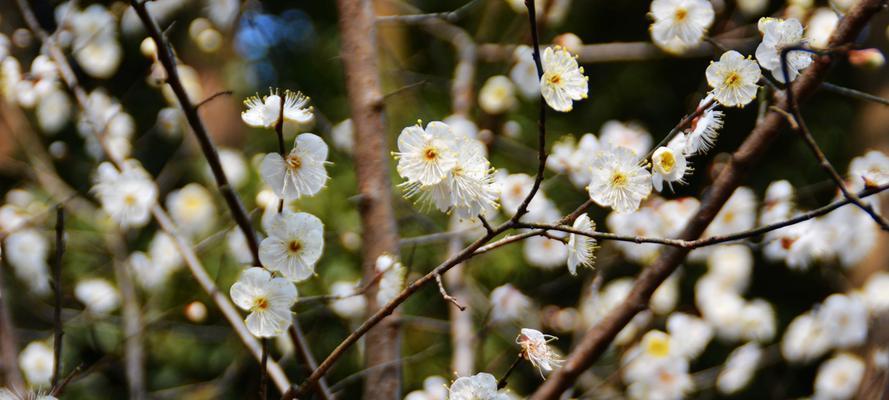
<point x="569" y="41"/>
<point x="196" y="312"/>
<point x="867" y="58"/>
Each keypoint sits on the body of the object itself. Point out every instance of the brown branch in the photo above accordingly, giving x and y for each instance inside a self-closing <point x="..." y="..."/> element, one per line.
<point x="448" y="16"/>
<point x="57" y="289"/>
<point x="379" y="230"/>
<point x="213" y="97"/>
<point x="168" y="60"/>
<point x="597" y="339"/>
<point x="304" y="352"/>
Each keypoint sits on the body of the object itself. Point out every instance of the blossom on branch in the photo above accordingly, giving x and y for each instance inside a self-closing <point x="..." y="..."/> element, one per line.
<point x="301" y="172"/>
<point x="733" y="79"/>
<point x="563" y="81"/>
<point x="267" y="298"/>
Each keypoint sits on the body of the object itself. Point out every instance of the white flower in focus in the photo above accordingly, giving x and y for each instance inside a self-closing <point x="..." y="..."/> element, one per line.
<point x="265" y="112"/>
<point x="393" y="279"/>
<point x="629" y="135"/>
<point x="350" y="305"/>
<point x="839" y="377"/>
<point x="301" y="173"/>
<point x="26" y="252"/>
<point x="740" y="366"/>
<point x="128" y="195"/>
<point x="668" y="164"/>
<point x="37" y="362"/>
<point x="690" y="334"/>
<point x="680" y="24"/>
<point x="509" y="304"/>
<point x="426" y="155"/>
<point x="733" y="79"/>
<point x="524" y="72"/>
<point x="545" y="253"/>
<point x="563" y="81"/>
<point x="872" y="168"/>
<point x="481" y="386"/>
<point x="804" y="339"/>
<point x="267" y="298"/>
<point x="618" y="181"/>
<point x="294" y="245"/>
<point x="343" y="135"/>
<point x="704" y="130"/>
<point x="844" y="319"/>
<point x="581" y="248"/>
<point x="192" y="209"/>
<point x="778" y="34"/>
<point x="535" y="348"/>
<point x="98" y="295"/>
<point x="497" y="95"/>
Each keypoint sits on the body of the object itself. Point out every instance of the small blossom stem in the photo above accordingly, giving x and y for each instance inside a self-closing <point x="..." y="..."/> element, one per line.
<point x="213" y="97"/>
<point x="445" y="295"/>
<point x="803" y="130"/>
<point x="504" y="380"/>
<point x="57" y="289"/>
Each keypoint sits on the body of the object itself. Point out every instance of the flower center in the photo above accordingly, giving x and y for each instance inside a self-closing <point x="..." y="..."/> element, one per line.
<point x="667" y="161"/>
<point x="261" y="304"/>
<point x="658" y="348"/>
<point x="129" y="199"/>
<point x="294" y="162"/>
<point x="733" y="80"/>
<point x="555" y="79"/>
<point x="681" y="14"/>
<point x="294" y="246"/>
<point x="619" y="179"/>
<point x="430" y="154"/>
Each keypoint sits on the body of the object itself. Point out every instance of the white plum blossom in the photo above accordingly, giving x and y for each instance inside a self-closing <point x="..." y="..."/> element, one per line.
<point x="876" y="292"/>
<point x="343" y="135"/>
<point x="871" y="168"/>
<point x="426" y="155"/>
<point x="481" y="386"/>
<point x="267" y="298"/>
<point x="740" y="366"/>
<point x="126" y="195"/>
<point x="234" y="166"/>
<point x="497" y="95"/>
<point x="545" y="253"/>
<point x="394" y="275"/>
<point x="535" y="348"/>
<point x="757" y="320"/>
<point x="98" y="295"/>
<point x="294" y="245"/>
<point x="804" y="339"/>
<point x="777" y="35"/>
<point x="666" y="296"/>
<point x="737" y="215"/>
<point x="668" y="164"/>
<point x="192" y="208"/>
<point x="26" y="251"/>
<point x="581" y="248"/>
<point x="434" y="388"/>
<point x="668" y="379"/>
<point x="844" y="319"/>
<point x="349" y="304"/>
<point x="704" y="129"/>
<point x="618" y="181"/>
<point x="524" y="72"/>
<point x="733" y="79"/>
<point x="301" y="173"/>
<point x="563" y="81"/>
<point x="839" y="377"/>
<point x="731" y="265"/>
<point x="509" y="304"/>
<point x="266" y="112"/>
<point x="690" y="334"/>
<point x="629" y="135"/>
<point x="821" y="25"/>
<point x="37" y="362"/>
<point x="680" y="24"/>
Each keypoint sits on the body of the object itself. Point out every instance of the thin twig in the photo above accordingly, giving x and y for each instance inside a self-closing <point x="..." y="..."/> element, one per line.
<point x="505" y="379"/>
<point x="804" y="131"/>
<point x="213" y="97"/>
<point x="263" y="365"/>
<point x="445" y="295"/>
<point x="449" y="16"/>
<point x="855" y="94"/>
<point x="57" y="286"/>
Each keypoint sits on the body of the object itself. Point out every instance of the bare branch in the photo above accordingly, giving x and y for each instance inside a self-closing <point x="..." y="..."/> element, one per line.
<point x="57" y="289"/>
<point x="445" y="295"/>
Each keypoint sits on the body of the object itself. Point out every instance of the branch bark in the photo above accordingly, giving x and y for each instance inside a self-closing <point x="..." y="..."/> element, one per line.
<point x="598" y="338"/>
<point x="380" y="234"/>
